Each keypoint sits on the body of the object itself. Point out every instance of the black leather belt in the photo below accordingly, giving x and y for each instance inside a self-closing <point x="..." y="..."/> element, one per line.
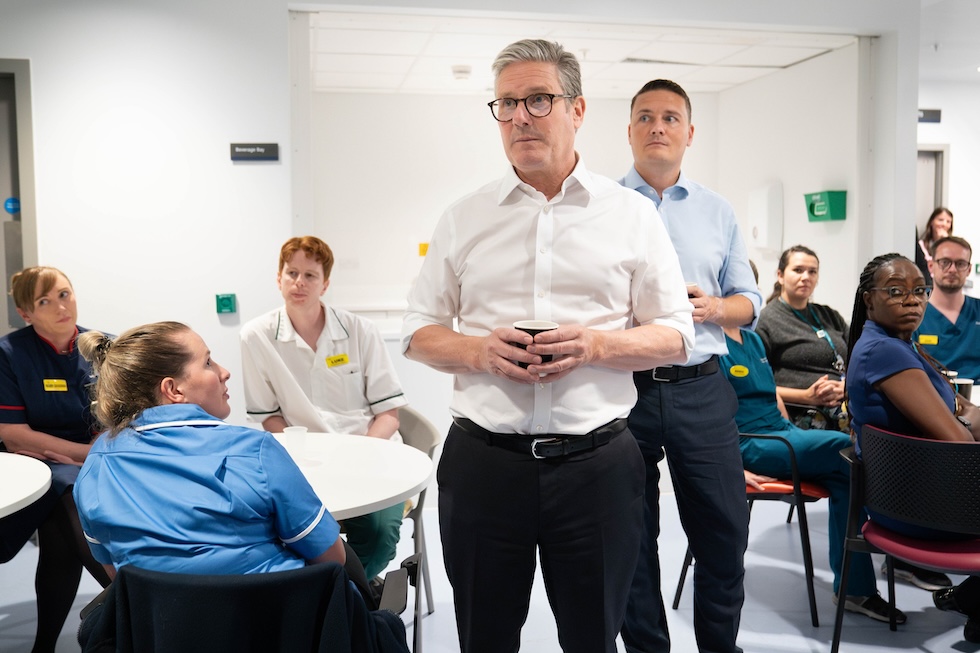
<point x="679" y="373"/>
<point x="548" y="446"/>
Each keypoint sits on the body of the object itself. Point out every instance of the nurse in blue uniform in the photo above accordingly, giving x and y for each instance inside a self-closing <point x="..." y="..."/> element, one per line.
<point x="44" y="412"/>
<point x="171" y="487"/>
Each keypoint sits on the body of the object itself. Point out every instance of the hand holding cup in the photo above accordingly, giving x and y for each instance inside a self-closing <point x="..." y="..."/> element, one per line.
<point x="533" y="328"/>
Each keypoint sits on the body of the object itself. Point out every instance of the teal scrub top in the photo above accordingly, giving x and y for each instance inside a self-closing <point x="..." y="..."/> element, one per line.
<point x="748" y="370"/>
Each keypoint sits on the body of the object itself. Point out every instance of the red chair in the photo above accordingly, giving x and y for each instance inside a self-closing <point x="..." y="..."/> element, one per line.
<point x="797" y="494"/>
<point x="926" y="483"/>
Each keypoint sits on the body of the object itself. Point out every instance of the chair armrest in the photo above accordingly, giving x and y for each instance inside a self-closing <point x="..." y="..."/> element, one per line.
<point x="394" y="597"/>
<point x="94" y="603"/>
<point x="794" y="470"/>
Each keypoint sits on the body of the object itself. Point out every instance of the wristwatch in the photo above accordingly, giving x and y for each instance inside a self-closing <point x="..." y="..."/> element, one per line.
<point x="965" y="422"/>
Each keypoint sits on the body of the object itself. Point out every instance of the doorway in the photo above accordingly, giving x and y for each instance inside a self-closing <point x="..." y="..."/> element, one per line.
<point x="18" y="233"/>
<point x="931" y="182"/>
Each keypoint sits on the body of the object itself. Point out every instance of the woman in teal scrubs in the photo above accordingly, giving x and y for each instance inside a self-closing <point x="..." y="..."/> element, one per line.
<point x="817" y="456"/>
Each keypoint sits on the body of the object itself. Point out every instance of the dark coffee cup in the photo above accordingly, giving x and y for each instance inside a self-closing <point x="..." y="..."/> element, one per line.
<point x="534" y="327"/>
<point x="964" y="387"/>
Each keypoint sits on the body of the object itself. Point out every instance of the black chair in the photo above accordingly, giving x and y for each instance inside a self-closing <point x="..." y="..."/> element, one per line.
<point x="797" y="494"/>
<point x="310" y="609"/>
<point x="926" y="483"/>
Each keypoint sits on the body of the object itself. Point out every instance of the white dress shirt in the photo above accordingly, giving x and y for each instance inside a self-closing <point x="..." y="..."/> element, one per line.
<point x="596" y="254"/>
<point x="338" y="388"/>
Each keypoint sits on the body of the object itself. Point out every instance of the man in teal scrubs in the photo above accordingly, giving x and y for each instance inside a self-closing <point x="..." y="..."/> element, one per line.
<point x="950" y="329"/>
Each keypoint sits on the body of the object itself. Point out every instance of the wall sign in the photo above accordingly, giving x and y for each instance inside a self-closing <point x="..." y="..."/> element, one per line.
<point x="255" y="151"/>
<point x="930" y="115"/>
<point x="11" y="205"/>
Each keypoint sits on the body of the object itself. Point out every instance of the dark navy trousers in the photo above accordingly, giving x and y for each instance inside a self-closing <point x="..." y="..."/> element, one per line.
<point x="693" y="422"/>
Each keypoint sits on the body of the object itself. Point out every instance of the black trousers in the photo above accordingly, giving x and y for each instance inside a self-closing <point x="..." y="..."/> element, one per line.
<point x="583" y="513"/>
<point x="694" y="422"/>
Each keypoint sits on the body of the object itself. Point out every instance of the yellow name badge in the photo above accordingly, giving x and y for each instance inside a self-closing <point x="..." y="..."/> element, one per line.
<point x="55" y="385"/>
<point x="928" y="340"/>
<point x="738" y="371"/>
<point x="339" y="359"/>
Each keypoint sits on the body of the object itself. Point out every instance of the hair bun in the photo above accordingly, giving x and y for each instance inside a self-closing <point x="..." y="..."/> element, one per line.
<point x="103" y="345"/>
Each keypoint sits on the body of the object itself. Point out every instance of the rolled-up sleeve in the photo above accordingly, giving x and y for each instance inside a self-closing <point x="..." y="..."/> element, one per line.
<point x="434" y="299"/>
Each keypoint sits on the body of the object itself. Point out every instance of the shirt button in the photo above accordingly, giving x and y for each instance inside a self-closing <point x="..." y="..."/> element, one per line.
<point x="541" y="385"/>
<point x="538" y="428"/>
<point x="547" y="208"/>
<point x="541" y="294"/>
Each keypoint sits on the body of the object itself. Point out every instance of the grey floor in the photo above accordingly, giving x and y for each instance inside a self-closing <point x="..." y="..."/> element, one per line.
<point x="775" y="618"/>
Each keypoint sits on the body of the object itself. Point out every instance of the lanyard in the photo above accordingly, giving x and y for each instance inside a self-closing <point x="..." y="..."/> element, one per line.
<point x="821" y="333"/>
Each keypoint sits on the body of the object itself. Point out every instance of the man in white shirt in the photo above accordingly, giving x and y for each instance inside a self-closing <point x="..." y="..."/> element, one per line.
<point x="539" y="457"/>
<point x="307" y="364"/>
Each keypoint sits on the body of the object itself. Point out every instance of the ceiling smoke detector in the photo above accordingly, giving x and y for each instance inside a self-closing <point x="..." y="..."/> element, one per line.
<point x="462" y="71"/>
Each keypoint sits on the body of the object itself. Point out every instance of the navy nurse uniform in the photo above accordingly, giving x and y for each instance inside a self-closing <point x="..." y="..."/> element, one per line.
<point x="50" y="392"/>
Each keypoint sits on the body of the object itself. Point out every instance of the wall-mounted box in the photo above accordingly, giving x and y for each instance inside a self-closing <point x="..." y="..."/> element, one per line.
<point x="226" y="303"/>
<point x="765" y="218"/>
<point x="826" y="205"/>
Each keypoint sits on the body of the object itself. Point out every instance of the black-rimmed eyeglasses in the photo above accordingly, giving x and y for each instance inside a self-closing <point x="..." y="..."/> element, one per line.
<point x="897" y="293"/>
<point x="538" y="105"/>
<point x="960" y="264"/>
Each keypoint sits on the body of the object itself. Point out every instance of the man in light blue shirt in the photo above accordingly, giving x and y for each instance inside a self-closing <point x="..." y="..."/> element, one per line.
<point x="689" y="412"/>
<point x="950" y="329"/>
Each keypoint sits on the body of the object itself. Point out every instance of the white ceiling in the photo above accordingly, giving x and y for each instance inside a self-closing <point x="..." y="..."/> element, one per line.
<point x="949" y="46"/>
<point x="416" y="53"/>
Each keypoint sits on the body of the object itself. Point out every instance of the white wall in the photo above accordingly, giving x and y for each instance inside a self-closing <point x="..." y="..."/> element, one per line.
<point x="136" y="103"/>
<point x="379" y="191"/>
<point x="960" y="104"/>
<point x="803" y="134"/>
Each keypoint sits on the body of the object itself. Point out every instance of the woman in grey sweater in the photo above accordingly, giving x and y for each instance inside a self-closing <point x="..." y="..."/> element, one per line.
<point x="806" y="343"/>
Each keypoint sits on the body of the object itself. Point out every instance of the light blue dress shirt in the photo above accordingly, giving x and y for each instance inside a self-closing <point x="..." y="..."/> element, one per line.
<point x="703" y="229"/>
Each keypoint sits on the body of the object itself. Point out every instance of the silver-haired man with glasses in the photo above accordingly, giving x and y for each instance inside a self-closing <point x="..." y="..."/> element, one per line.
<point x="539" y="460"/>
<point x="950" y="329"/>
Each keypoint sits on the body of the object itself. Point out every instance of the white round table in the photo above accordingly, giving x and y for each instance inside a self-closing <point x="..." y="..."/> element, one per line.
<point x="355" y="475"/>
<point x="23" y="480"/>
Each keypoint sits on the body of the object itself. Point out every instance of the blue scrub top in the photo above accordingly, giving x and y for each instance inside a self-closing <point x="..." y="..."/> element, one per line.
<point x="875" y="357"/>
<point x="182" y="491"/>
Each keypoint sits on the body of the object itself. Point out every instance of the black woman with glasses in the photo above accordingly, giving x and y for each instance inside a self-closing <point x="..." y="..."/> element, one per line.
<point x="894" y="385"/>
<point x="891" y="382"/>
<point x="949" y="331"/>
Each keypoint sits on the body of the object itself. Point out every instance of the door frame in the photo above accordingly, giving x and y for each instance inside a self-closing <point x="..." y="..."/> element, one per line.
<point x="20" y="70"/>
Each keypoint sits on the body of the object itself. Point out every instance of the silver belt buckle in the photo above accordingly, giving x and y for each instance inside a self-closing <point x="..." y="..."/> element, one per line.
<point x="536" y="441"/>
<point x="659" y="379"/>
